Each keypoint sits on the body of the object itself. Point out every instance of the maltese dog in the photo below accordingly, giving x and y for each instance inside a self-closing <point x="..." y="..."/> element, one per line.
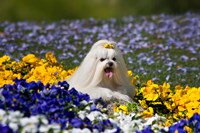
<point x="103" y="73"/>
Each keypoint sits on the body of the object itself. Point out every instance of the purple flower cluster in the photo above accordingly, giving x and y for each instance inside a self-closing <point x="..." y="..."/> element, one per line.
<point x="193" y="122"/>
<point x="57" y="103"/>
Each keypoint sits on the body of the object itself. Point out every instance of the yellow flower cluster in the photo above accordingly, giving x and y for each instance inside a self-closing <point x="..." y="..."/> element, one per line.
<point x="33" y="68"/>
<point x="151" y="92"/>
<point x="177" y="104"/>
<point x="7" y="75"/>
<point x="185" y="101"/>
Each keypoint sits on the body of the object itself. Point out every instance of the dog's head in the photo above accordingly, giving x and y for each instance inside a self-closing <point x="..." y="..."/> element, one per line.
<point x="107" y="57"/>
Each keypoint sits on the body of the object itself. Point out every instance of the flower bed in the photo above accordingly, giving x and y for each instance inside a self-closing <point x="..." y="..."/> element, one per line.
<point x="33" y="102"/>
<point x="34" y="96"/>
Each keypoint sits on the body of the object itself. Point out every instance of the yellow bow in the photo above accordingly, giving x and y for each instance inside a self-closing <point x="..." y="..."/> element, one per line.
<point x="106" y="45"/>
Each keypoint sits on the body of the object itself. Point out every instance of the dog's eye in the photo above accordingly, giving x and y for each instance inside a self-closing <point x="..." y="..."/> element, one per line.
<point x="102" y="59"/>
<point x="114" y="59"/>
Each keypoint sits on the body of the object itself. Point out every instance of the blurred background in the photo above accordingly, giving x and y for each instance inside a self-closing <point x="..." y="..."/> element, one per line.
<point x="19" y="10"/>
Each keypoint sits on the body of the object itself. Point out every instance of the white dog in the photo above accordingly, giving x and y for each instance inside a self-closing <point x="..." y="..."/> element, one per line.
<point x="103" y="73"/>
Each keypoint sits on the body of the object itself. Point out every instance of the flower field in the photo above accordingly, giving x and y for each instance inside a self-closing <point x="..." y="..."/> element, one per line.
<point x="162" y="53"/>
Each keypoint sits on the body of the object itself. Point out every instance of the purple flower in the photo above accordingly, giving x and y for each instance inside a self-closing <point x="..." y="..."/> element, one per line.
<point x="195" y="122"/>
<point x="77" y="123"/>
<point x="184" y="58"/>
<point x="5" y="129"/>
<point x="146" y="130"/>
<point x="179" y="126"/>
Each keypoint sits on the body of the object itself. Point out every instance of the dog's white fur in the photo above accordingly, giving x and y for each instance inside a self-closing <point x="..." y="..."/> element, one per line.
<point x="91" y="76"/>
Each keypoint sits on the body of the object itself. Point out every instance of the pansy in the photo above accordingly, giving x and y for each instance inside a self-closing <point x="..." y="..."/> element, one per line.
<point x="121" y="108"/>
<point x="30" y="58"/>
<point x="4" y="59"/>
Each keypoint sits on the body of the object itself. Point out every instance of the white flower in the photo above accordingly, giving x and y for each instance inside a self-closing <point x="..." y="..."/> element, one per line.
<point x="82" y="114"/>
<point x="84" y="102"/>
<point x="43" y="129"/>
<point x="78" y="130"/>
<point x="43" y="120"/>
<point x="55" y="127"/>
<point x="111" y="130"/>
<point x="2" y="114"/>
<point x="14" y="116"/>
<point x="97" y="115"/>
<point x="34" y="119"/>
<point x="46" y="128"/>
<point x="13" y="126"/>
<point x="24" y="121"/>
<point x="29" y="128"/>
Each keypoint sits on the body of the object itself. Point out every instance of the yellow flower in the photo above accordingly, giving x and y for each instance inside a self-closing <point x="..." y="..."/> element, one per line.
<point x="4" y="59"/>
<point x="50" y="57"/>
<point x="193" y="94"/>
<point x="181" y="108"/>
<point x="130" y="73"/>
<point x="134" y="79"/>
<point x="120" y="108"/>
<point x="149" y="83"/>
<point x="149" y="112"/>
<point x="6" y="77"/>
<point x="143" y="103"/>
<point x="30" y="58"/>
<point x="188" y="129"/>
<point x="165" y="91"/>
<point x="181" y="114"/>
<point x="176" y="116"/>
<point x="169" y="122"/>
<point x="169" y="105"/>
<point x="150" y="93"/>
<point x="192" y="107"/>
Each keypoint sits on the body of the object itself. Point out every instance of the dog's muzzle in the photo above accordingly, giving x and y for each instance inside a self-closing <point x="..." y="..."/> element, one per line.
<point x="109" y="70"/>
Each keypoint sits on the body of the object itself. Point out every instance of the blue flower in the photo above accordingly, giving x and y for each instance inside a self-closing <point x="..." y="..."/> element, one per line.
<point x="195" y="122"/>
<point x="93" y="107"/>
<point x="5" y="129"/>
<point x="77" y="123"/>
<point x="87" y="123"/>
<point x="99" y="127"/>
<point x="100" y="101"/>
<point x="179" y="126"/>
<point x="104" y="124"/>
<point x="32" y="86"/>
<point x="146" y="130"/>
<point x="73" y="91"/>
<point x="195" y="118"/>
<point x="64" y="84"/>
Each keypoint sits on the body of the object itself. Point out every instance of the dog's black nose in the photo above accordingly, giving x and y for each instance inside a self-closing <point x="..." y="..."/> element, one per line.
<point x="110" y="64"/>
